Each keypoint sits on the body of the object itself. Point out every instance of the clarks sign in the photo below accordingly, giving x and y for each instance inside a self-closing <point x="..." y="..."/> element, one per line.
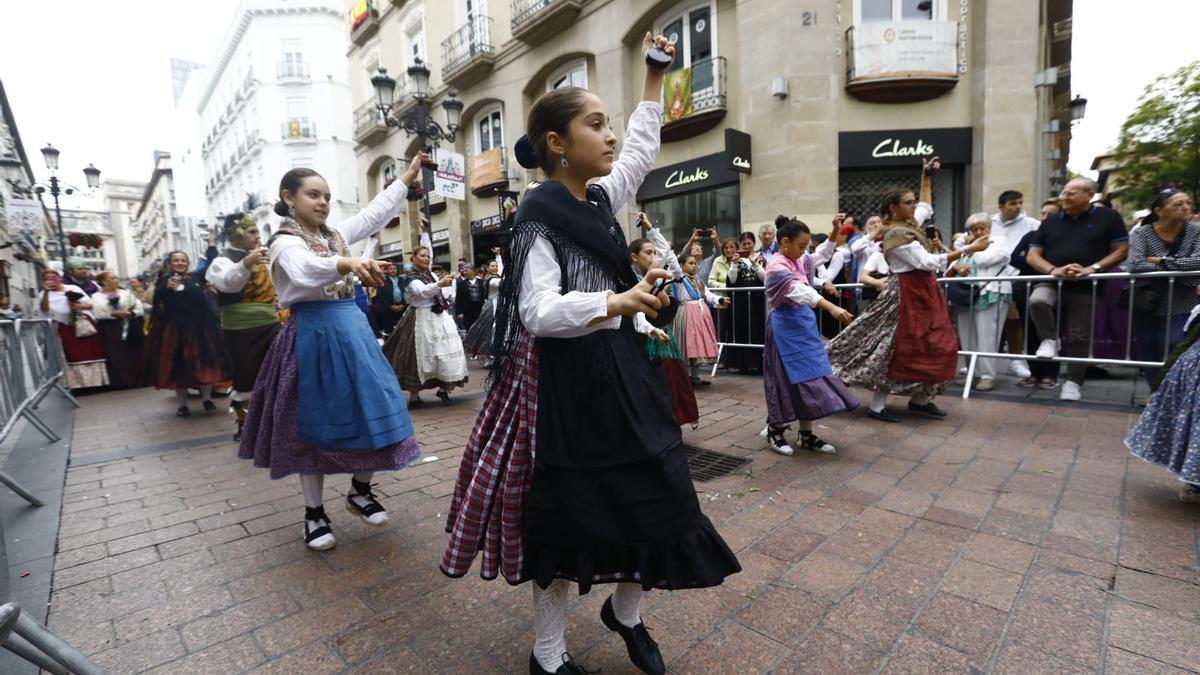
<point x="737" y="149"/>
<point x="702" y="173"/>
<point x="903" y="147"/>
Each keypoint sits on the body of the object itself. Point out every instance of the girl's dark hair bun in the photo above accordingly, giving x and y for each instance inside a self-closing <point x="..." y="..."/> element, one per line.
<point x="526" y="157"/>
<point x="781" y="220"/>
<point x="281" y="209"/>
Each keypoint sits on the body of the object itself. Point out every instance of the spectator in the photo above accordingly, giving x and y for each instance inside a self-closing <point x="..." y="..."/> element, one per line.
<point x="6" y="309"/>
<point x="1051" y="207"/>
<point x="766" y="234"/>
<point x="388" y="303"/>
<point x="469" y="295"/>
<point x="748" y="308"/>
<point x="704" y="268"/>
<point x="1166" y="241"/>
<point x="1081" y="240"/>
<point x="78" y="275"/>
<point x="979" y="322"/>
<point x="1009" y="225"/>
<point x="82" y="345"/>
<point x="118" y="316"/>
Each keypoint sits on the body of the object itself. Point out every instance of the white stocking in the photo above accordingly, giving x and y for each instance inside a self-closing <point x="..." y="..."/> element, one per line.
<point x="878" y="401"/>
<point x="312" y="484"/>
<point x="626" y="601"/>
<point x="550" y="624"/>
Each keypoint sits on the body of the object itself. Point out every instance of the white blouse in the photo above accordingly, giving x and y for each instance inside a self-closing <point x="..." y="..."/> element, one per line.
<point x="804" y="294"/>
<point x="228" y="276"/>
<point x="126" y="301"/>
<point x="545" y="310"/>
<point x="912" y="257"/>
<point x="60" y="307"/>
<point x="420" y="294"/>
<point x="299" y="275"/>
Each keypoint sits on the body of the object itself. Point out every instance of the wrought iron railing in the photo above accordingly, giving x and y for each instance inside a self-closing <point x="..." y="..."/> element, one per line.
<point x="367" y="118"/>
<point x="292" y="70"/>
<point x="469" y="41"/>
<point x="524" y="10"/>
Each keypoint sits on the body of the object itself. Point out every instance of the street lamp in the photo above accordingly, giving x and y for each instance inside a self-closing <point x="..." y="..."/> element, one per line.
<point x="418" y="121"/>
<point x="13" y="170"/>
<point x="1077" y="106"/>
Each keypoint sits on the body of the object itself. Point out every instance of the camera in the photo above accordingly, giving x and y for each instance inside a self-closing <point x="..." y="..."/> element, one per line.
<point x="931" y="232"/>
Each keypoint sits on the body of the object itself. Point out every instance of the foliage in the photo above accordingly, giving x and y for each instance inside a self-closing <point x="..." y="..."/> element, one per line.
<point x="85" y="240"/>
<point x="1160" y="141"/>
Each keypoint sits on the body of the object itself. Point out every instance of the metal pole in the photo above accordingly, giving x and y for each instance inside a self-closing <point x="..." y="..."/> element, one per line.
<point x="62" y="242"/>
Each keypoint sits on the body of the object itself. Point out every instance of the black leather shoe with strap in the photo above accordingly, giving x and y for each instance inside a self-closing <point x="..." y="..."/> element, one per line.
<point x="928" y="409"/>
<point x="568" y="667"/>
<point x="362" y="502"/>
<point x="643" y="650"/>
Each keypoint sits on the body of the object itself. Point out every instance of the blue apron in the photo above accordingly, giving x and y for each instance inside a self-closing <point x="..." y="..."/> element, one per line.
<point x="349" y="396"/>
<point x="798" y="340"/>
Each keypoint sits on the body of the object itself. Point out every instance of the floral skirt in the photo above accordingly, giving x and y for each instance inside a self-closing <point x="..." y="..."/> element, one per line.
<point x="861" y="354"/>
<point x="1168" y="432"/>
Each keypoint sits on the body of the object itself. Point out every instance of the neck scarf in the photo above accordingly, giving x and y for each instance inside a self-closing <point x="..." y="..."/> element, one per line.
<point x="329" y="243"/>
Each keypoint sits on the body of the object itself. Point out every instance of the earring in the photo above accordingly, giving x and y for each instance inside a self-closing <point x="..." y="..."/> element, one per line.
<point x="292" y="212"/>
<point x="564" y="160"/>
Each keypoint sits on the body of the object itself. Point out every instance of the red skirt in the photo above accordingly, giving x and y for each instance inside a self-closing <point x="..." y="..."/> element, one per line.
<point x="926" y="343"/>
<point x="683" y="397"/>
<point x="80" y="349"/>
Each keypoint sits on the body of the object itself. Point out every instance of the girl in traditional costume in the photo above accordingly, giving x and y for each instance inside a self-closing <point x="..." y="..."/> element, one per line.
<point x="799" y="382"/>
<point x="478" y="340"/>
<point x="606" y="497"/>
<point x="904" y="343"/>
<point x="326" y="401"/>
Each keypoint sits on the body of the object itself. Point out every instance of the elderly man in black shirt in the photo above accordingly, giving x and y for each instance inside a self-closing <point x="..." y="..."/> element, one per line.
<point x="1080" y="240"/>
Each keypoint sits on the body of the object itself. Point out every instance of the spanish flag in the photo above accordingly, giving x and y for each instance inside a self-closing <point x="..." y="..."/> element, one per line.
<point x="359" y="13"/>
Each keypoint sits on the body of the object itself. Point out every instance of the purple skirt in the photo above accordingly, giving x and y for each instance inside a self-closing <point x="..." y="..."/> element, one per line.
<point x="810" y="400"/>
<point x="271" y="439"/>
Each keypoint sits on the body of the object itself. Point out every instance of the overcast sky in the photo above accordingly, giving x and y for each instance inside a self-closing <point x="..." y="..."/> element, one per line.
<point x="94" y="78"/>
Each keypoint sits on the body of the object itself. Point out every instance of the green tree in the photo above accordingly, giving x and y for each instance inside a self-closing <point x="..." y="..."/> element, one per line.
<point x="1160" y="141"/>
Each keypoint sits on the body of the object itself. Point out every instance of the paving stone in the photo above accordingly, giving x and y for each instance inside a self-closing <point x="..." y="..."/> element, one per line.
<point x="1178" y="597"/>
<point x="1121" y="662"/>
<point x="232" y="656"/>
<point x="1016" y="659"/>
<point x="782" y="614"/>
<point x="827" y="652"/>
<point x="919" y="654"/>
<point x="967" y="626"/>
<point x="1054" y="630"/>
<point x="142" y="654"/>
<point x="310" y="625"/>
<point x="824" y="575"/>
<point x="236" y="619"/>
<point x="172" y="613"/>
<point x="982" y="583"/>
<point x="1152" y="634"/>
<point x="731" y="649"/>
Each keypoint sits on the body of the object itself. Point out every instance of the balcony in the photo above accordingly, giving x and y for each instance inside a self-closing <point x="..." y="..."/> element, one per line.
<point x="708" y="102"/>
<point x="902" y="61"/>
<point x="298" y="131"/>
<point x="369" y="127"/>
<point x="364" y="24"/>
<point x="488" y="172"/>
<point x="468" y="55"/>
<point x="534" y="21"/>
<point x="292" y="72"/>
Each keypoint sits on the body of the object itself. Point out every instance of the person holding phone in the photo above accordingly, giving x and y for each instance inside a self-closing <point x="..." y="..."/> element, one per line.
<point x="905" y="342"/>
<point x="246" y="297"/>
<point x="748" y="312"/>
<point x="661" y="344"/>
<point x="326" y="401"/>
<point x="71" y="310"/>
<point x="606" y="498"/>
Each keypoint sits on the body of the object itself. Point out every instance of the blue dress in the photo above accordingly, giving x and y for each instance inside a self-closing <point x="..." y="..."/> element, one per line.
<point x="1167" y="433"/>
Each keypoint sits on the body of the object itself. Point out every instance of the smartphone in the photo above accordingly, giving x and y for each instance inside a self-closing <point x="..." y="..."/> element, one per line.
<point x="743" y="254"/>
<point x="706" y="233"/>
<point x="931" y="232"/>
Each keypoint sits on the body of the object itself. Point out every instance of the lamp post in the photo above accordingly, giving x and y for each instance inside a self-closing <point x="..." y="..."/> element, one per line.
<point x="418" y="121"/>
<point x="55" y="187"/>
<point x="1077" y="106"/>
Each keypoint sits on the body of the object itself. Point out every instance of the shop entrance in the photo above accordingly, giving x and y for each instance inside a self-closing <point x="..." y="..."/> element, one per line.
<point x="861" y="190"/>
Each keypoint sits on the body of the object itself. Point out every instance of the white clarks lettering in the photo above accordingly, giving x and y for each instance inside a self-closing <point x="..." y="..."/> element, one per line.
<point x="741" y="163"/>
<point x="892" y="148"/>
<point x="678" y="177"/>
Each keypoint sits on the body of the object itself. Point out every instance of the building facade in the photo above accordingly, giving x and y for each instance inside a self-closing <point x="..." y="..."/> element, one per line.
<point x="157" y="228"/>
<point x="24" y="222"/>
<point x="122" y="200"/>
<point x="90" y="237"/>
<point x="275" y="98"/>
<point x="773" y="107"/>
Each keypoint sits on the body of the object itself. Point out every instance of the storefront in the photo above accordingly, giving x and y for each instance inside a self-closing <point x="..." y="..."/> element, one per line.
<point x="393" y="251"/>
<point x="492" y="232"/>
<point x="700" y="193"/>
<point x="441" y="249"/>
<point x="873" y="162"/>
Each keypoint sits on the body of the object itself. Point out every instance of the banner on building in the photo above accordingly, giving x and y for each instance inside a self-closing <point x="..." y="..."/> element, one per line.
<point x="677" y="95"/>
<point x="448" y="179"/>
<point x="362" y="9"/>
<point x="905" y="49"/>
<point x="487" y="171"/>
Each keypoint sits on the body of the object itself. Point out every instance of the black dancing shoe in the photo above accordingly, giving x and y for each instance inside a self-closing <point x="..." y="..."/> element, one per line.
<point x="776" y="440"/>
<point x="809" y="441"/>
<point x="445" y="396"/>
<point x="928" y="409"/>
<point x="416" y="402"/>
<point x="371" y="512"/>
<point x="643" y="650"/>
<point x="183" y="411"/>
<point x="884" y="415"/>
<point x="209" y="406"/>
<point x="568" y="667"/>
<point x="319" y="538"/>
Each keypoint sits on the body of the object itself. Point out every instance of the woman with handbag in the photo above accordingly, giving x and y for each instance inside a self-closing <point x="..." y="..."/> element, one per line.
<point x="1168" y="240"/>
<point x="981" y="307"/>
<point x="71" y="310"/>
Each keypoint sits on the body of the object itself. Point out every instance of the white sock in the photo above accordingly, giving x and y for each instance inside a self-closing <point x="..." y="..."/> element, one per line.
<point x="550" y="624"/>
<point x="920" y="399"/>
<point x="311" y="484"/>
<point x="878" y="401"/>
<point x="181" y="398"/>
<point x="205" y="393"/>
<point x="626" y="602"/>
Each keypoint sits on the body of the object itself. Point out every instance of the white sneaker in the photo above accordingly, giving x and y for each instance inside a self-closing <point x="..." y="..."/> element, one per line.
<point x="1019" y="368"/>
<point x="776" y="441"/>
<point x="1047" y="350"/>
<point x="1070" y="391"/>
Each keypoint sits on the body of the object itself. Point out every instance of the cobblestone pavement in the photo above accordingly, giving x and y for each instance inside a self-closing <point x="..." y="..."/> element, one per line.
<point x="1010" y="538"/>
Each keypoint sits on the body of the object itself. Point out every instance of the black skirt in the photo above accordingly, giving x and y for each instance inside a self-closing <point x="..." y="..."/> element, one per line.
<point x="248" y="349"/>
<point x="122" y="349"/>
<point x="612" y="499"/>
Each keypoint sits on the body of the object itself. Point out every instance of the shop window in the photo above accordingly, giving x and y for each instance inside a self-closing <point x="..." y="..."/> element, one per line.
<point x="489" y="130"/>
<point x="574" y="74"/>
<point x="874" y="11"/>
<point x="694" y="33"/>
<point x="677" y="216"/>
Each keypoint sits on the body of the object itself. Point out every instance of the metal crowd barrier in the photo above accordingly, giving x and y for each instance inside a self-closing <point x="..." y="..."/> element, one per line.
<point x="1097" y="285"/>
<point x="31" y="366"/>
